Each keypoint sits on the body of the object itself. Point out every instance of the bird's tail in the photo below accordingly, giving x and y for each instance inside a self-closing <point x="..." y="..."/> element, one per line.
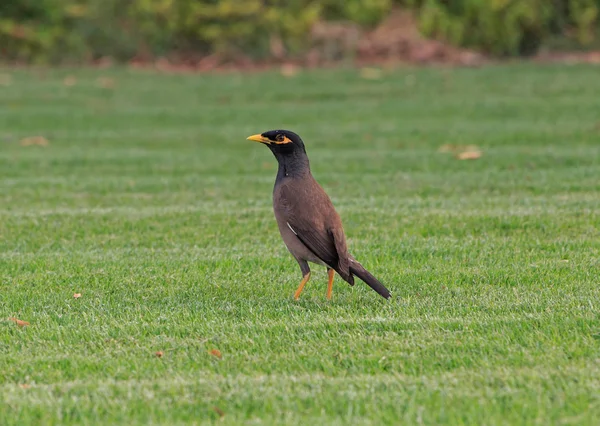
<point x="359" y="270"/>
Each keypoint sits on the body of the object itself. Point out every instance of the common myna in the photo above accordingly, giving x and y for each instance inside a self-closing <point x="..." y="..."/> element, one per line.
<point x="309" y="225"/>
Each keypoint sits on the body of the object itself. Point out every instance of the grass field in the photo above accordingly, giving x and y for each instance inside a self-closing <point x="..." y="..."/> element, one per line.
<point x="149" y="202"/>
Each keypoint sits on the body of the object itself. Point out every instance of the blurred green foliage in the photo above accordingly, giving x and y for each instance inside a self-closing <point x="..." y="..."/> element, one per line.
<point x="510" y="27"/>
<point x="81" y="30"/>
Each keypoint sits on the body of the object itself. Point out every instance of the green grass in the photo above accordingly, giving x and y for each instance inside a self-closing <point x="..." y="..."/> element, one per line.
<point x="149" y="201"/>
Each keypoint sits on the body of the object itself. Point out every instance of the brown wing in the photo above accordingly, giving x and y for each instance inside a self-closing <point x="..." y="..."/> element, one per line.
<point x="320" y="242"/>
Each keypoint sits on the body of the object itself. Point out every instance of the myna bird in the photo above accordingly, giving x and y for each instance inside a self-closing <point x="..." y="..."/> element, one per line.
<point x="309" y="225"/>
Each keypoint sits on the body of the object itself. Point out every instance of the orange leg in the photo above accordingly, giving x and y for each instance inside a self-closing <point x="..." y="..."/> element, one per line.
<point x="301" y="286"/>
<point x="331" y="274"/>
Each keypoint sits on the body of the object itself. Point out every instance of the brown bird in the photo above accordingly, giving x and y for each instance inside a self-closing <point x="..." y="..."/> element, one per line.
<point x="309" y="225"/>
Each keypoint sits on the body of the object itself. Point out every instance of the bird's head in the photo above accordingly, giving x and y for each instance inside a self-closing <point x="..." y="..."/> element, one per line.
<point x="281" y="142"/>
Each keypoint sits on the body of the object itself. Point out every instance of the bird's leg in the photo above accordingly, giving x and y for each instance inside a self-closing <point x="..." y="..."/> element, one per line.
<point x="301" y="286"/>
<point x="306" y="276"/>
<point x="331" y="274"/>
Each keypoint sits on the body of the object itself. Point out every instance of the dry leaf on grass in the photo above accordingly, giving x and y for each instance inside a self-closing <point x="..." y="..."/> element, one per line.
<point x="462" y="152"/>
<point x="159" y="354"/>
<point x="216" y="353"/>
<point x="289" y="70"/>
<point x="34" y="140"/>
<point x="468" y="155"/>
<point x="70" y="81"/>
<point x="77" y="295"/>
<point x="19" y="322"/>
<point x="371" y="73"/>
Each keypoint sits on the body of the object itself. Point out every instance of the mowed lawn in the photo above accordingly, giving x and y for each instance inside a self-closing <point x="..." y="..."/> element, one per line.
<point x="150" y="203"/>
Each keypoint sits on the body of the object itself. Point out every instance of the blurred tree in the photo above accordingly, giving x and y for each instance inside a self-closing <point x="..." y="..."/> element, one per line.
<point x="83" y="30"/>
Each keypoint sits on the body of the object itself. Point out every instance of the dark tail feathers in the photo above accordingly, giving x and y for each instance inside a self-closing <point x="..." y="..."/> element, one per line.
<point x="358" y="270"/>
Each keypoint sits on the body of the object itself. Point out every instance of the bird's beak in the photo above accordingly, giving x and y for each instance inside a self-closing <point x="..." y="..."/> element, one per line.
<point x="258" y="138"/>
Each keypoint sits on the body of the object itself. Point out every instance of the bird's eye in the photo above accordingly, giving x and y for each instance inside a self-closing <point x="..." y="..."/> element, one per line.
<point x="280" y="138"/>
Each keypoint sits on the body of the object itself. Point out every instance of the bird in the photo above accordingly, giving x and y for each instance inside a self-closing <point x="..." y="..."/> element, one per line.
<point x="309" y="225"/>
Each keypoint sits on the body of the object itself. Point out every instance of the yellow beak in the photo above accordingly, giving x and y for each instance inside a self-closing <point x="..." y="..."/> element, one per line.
<point x="258" y="138"/>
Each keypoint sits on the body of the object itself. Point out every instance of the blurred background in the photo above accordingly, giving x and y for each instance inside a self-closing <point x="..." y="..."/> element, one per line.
<point x="205" y="34"/>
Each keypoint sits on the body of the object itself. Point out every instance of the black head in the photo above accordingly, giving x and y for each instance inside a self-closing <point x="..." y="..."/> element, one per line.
<point x="281" y="142"/>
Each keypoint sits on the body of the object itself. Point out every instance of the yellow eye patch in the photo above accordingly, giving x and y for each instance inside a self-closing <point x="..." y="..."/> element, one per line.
<point x="282" y="140"/>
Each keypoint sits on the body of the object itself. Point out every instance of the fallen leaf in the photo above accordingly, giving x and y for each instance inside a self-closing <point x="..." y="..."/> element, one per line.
<point x="70" y="81"/>
<point x="19" y="322"/>
<point x="159" y="354"/>
<point x="289" y="70"/>
<point x="469" y="155"/>
<point x="220" y="412"/>
<point x="34" y="140"/>
<point x="462" y="152"/>
<point x="24" y="386"/>
<point x="216" y="353"/>
<point x="77" y="295"/>
<point x="371" y="73"/>
<point x="105" y="82"/>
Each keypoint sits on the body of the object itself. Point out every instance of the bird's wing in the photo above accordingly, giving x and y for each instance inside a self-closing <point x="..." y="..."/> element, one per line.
<point x="320" y="242"/>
